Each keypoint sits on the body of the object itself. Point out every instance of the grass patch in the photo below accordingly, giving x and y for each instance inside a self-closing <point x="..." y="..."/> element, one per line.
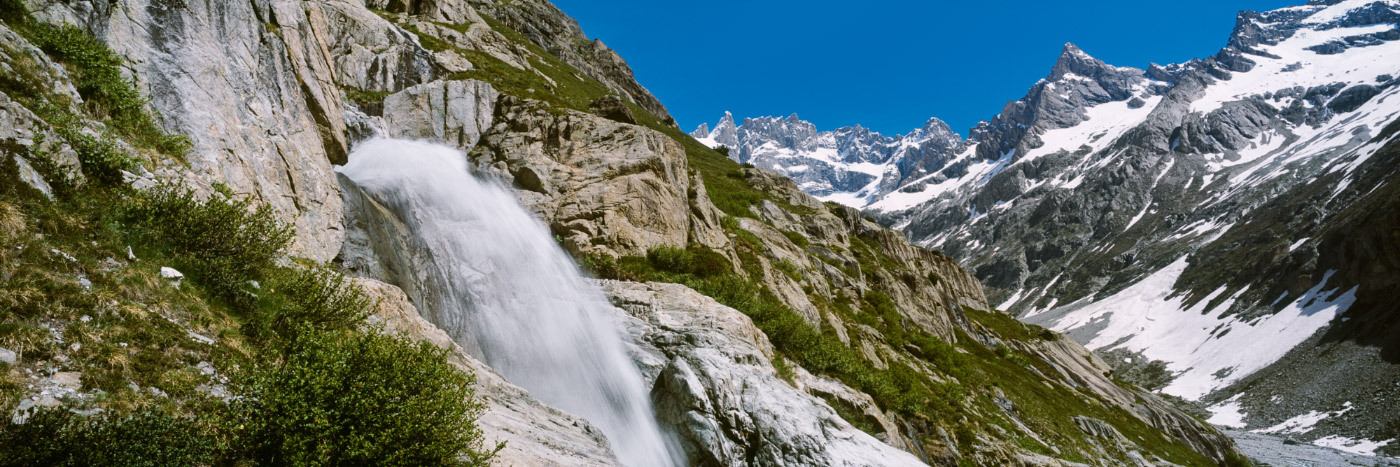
<point x="796" y="238"/>
<point x="1049" y="411"/>
<point x="1009" y="328"/>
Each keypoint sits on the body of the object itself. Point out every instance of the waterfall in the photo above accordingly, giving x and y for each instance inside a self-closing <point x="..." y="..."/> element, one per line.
<point x="493" y="278"/>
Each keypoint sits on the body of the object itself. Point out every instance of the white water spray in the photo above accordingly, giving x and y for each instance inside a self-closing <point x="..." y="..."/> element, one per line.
<point x="496" y="281"/>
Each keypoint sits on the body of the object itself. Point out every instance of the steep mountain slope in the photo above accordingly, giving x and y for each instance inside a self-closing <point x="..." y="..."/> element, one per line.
<point x="826" y="338"/>
<point x="1229" y="219"/>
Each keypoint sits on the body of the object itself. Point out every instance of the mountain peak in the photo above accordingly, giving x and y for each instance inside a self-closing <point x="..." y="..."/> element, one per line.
<point x="703" y="131"/>
<point x="1075" y="60"/>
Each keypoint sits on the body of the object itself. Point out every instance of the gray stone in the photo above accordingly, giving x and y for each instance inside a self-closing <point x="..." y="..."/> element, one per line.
<point x="454" y="113"/>
<point x="170" y="274"/>
<point x="607" y="187"/>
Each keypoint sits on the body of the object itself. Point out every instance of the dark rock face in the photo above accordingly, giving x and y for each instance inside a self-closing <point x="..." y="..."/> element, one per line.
<point x="612" y="108"/>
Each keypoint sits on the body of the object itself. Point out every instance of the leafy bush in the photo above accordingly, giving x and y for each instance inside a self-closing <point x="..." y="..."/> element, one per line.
<point x="788" y="269"/>
<point x="942" y="354"/>
<point x="313" y="299"/>
<point x="101" y="159"/>
<point x="604" y="266"/>
<point x="109" y="95"/>
<point x="222" y="242"/>
<point x="149" y="437"/>
<point x="360" y="399"/>
<point x="696" y="260"/>
<point x="796" y="238"/>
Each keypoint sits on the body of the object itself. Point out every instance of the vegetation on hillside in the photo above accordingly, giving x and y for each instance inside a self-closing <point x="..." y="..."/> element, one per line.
<point x="253" y="359"/>
<point x="955" y="386"/>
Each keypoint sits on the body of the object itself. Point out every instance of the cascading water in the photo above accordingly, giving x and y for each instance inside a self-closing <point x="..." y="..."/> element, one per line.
<point x="498" y="284"/>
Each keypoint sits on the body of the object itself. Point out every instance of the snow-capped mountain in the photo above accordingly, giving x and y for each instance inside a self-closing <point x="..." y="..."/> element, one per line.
<point x="1235" y="219"/>
<point x="850" y="165"/>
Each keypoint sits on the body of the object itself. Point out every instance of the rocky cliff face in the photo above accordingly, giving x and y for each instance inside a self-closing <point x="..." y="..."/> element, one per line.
<point x="273" y="93"/>
<point x="1223" y="195"/>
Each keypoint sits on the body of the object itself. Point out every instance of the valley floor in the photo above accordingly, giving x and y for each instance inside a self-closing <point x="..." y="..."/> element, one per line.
<point x="1277" y="452"/>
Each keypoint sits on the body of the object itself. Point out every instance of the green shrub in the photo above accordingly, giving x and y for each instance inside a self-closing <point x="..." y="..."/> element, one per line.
<point x="605" y="267"/>
<point x="222" y="243"/>
<point x="150" y="437"/>
<point x="347" y="398"/>
<point x="788" y="269"/>
<point x="1235" y="459"/>
<point x="312" y="299"/>
<point x="107" y="92"/>
<point x="101" y="159"/>
<point x="941" y="354"/>
<point x="796" y="238"/>
<point x="695" y="260"/>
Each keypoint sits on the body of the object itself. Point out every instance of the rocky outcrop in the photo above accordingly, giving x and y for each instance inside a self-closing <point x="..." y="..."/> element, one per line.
<point x="1077" y="367"/>
<point x="604" y="187"/>
<point x="543" y="24"/>
<point x="927" y="287"/>
<point x="712" y="378"/>
<point x="254" y="86"/>
<point x="19" y="125"/>
<point x="454" y="113"/>
<point x="533" y="433"/>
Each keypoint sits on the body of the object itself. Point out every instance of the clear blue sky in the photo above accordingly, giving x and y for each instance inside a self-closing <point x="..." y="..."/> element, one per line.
<point x="888" y="65"/>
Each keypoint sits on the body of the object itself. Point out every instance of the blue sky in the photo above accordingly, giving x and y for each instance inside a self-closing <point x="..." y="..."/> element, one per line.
<point x="888" y="65"/>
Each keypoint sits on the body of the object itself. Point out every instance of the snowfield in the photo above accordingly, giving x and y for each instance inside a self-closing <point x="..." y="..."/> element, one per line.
<point x="1201" y="346"/>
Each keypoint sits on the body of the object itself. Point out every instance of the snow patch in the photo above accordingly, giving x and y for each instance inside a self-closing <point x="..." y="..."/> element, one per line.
<point x="1204" y="348"/>
<point x="1356" y="66"/>
<point x="1305" y="422"/>
<point x="1011" y="301"/>
<point x="978" y="173"/>
<point x="1105" y="123"/>
<point x="1363" y="447"/>
<point x="1228" y="413"/>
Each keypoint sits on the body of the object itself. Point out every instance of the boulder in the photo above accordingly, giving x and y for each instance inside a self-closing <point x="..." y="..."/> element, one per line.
<point x="170" y="274"/>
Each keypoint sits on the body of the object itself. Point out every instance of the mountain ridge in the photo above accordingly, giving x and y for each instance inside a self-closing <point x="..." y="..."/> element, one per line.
<point x="1103" y="178"/>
